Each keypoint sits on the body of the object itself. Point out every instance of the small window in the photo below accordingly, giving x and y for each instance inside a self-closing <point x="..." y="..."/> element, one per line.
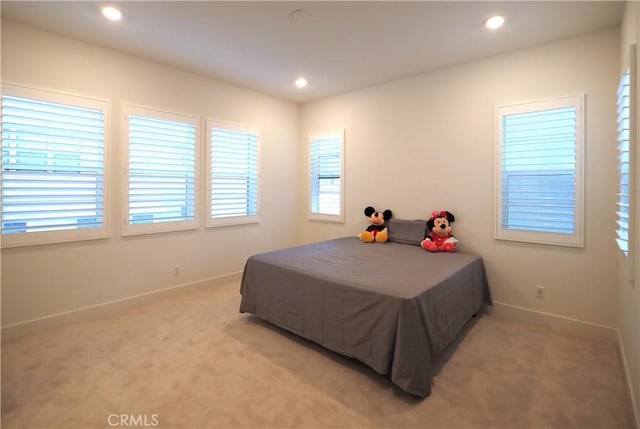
<point x="624" y="170"/>
<point x="327" y="176"/>
<point x="53" y="167"/>
<point x="233" y="173"/>
<point x="161" y="172"/>
<point x="626" y="161"/>
<point x="539" y="172"/>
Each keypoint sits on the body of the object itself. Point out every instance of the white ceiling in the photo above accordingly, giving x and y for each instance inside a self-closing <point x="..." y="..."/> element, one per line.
<point x="339" y="46"/>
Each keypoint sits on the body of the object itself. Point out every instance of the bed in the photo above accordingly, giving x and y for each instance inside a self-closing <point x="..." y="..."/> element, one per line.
<point x="393" y="306"/>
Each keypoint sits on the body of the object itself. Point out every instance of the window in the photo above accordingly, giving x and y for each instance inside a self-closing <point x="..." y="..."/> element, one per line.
<point x="327" y="176"/>
<point x="539" y="172"/>
<point x="53" y="167"/>
<point x="233" y="173"/>
<point x="622" y="212"/>
<point x="626" y="163"/>
<point x="161" y="172"/>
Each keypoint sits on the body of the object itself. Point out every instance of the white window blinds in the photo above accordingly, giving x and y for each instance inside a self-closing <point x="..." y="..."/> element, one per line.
<point x="326" y="171"/>
<point x="627" y="147"/>
<point x="162" y="172"/>
<point x="623" y="200"/>
<point x="53" y="165"/>
<point x="233" y="178"/>
<point x="540" y="172"/>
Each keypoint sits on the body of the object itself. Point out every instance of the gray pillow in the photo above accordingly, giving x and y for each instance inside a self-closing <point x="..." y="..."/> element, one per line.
<point x="407" y="231"/>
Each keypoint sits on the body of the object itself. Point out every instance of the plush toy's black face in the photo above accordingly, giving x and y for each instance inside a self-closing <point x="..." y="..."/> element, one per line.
<point x="377" y="218"/>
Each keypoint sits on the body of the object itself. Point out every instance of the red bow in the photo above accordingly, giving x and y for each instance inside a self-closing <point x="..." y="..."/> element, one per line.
<point x="436" y="214"/>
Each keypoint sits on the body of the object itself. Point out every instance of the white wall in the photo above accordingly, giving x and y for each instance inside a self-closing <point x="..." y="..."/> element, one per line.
<point x="42" y="281"/>
<point x="427" y="143"/>
<point x="628" y="294"/>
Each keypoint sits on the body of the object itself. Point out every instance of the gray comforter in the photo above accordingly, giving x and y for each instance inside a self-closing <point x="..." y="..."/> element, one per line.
<point x="392" y="306"/>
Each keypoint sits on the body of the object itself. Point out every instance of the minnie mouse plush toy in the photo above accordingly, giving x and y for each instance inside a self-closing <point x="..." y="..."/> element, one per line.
<point x="439" y="236"/>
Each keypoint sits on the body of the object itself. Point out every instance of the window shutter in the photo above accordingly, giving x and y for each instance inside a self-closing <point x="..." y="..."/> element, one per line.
<point x="326" y="165"/>
<point x="540" y="172"/>
<point x="234" y="174"/>
<point x="161" y="173"/>
<point x="627" y="147"/>
<point x="624" y="130"/>
<point x="53" y="165"/>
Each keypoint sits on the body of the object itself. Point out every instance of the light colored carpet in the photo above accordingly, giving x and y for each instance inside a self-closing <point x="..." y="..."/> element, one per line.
<point x="192" y="361"/>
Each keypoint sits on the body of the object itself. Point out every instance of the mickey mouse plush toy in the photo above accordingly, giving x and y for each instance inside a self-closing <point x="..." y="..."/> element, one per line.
<point x="377" y="231"/>
<point x="439" y="237"/>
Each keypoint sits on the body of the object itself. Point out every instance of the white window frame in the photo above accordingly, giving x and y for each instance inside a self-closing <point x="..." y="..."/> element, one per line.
<point x="222" y="221"/>
<point x="317" y="215"/>
<point x="62" y="236"/>
<point x="571" y="240"/>
<point x="627" y="161"/>
<point x="169" y="226"/>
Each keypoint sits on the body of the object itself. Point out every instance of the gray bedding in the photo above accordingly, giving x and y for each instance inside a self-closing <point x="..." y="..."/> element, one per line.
<point x="392" y="306"/>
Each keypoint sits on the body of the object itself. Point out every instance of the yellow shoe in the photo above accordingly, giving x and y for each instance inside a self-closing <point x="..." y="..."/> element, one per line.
<point x="382" y="236"/>
<point x="366" y="236"/>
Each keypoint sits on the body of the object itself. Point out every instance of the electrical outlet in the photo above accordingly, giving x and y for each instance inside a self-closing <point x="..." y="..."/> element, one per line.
<point x="540" y="292"/>
<point x="176" y="270"/>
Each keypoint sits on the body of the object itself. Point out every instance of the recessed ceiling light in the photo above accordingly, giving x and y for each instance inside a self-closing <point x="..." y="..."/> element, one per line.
<point x="299" y="14"/>
<point x="111" y="13"/>
<point x="301" y="82"/>
<point x="494" y="22"/>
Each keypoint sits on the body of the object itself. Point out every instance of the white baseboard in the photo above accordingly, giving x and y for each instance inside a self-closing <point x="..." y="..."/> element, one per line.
<point x="553" y="321"/>
<point x="18" y="330"/>
<point x="627" y="379"/>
